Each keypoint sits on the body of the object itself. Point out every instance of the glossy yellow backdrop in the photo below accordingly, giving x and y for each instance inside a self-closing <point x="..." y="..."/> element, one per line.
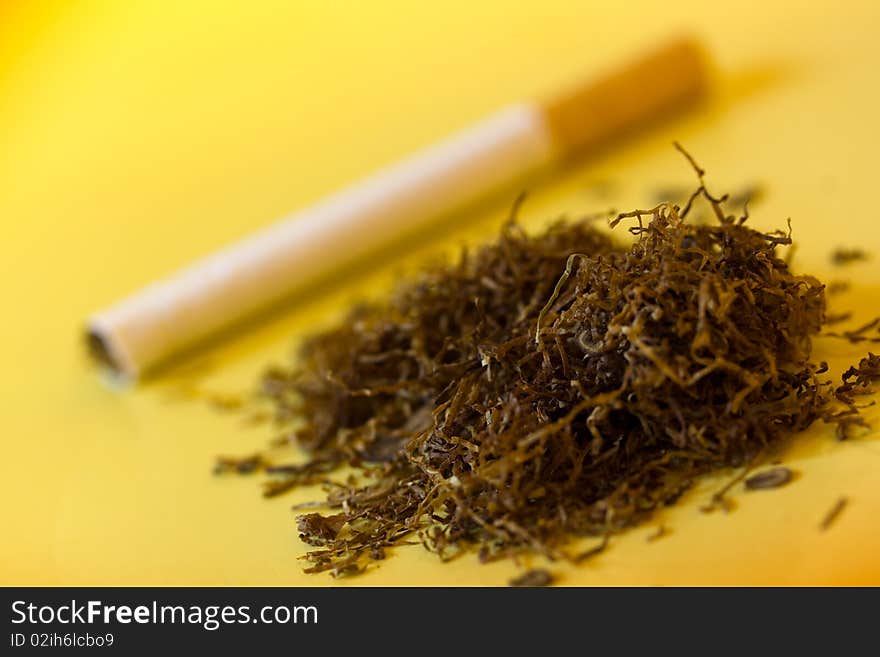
<point x="136" y="136"/>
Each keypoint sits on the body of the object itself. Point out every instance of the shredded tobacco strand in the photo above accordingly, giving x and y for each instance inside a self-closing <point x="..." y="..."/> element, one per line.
<point x="536" y="577"/>
<point x="554" y="387"/>
<point x="833" y="514"/>
<point x="842" y="256"/>
<point x="657" y="534"/>
<point x="773" y="478"/>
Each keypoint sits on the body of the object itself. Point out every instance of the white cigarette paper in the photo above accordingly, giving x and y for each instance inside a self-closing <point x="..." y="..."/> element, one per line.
<point x="166" y="317"/>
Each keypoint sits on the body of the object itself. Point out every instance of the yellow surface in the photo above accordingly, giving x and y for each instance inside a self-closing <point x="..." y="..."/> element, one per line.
<point x="135" y="136"/>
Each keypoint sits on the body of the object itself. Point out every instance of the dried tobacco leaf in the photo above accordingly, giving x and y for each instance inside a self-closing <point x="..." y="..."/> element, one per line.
<point x="244" y="465"/>
<point x="858" y="335"/>
<point x="772" y="478"/>
<point x="657" y="534"/>
<point x="833" y="514"/>
<point x="557" y="386"/>
<point x="317" y="529"/>
<point x="536" y="577"/>
<point x="842" y="256"/>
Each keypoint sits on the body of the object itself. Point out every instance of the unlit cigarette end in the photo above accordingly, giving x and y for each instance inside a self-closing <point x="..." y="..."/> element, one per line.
<point x="99" y="349"/>
<point x="167" y="317"/>
<point x="108" y="350"/>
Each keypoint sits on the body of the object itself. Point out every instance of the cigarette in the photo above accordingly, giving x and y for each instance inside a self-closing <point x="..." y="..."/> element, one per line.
<point x="146" y="329"/>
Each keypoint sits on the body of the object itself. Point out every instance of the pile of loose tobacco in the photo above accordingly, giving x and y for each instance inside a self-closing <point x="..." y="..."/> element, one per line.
<point x="552" y="387"/>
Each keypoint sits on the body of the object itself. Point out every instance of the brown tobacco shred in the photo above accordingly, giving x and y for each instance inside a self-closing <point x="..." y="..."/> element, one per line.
<point x="858" y="335"/>
<point x="317" y="529"/>
<point x="837" y="319"/>
<point x="657" y="534"/>
<point x="856" y="382"/>
<point x="833" y="514"/>
<point x="593" y="551"/>
<point x="773" y="478"/>
<point x="719" y="499"/>
<point x="244" y="465"/>
<point x="843" y="256"/>
<point x="537" y="577"/>
<point x="554" y="387"/>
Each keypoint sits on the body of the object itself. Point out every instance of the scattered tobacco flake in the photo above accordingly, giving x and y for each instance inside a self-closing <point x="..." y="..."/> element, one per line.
<point x="856" y="336"/>
<point x="856" y="382"/>
<point x="842" y="256"/>
<point x="657" y="534"/>
<point x="833" y="514"/>
<point x="593" y="551"/>
<point x="317" y="529"/>
<point x="553" y="387"/>
<point x="719" y="499"/>
<point x="311" y="473"/>
<point x="863" y="374"/>
<point x="536" y="577"/>
<point x="340" y="568"/>
<point x="245" y="465"/>
<point x="772" y="478"/>
<point x="837" y="319"/>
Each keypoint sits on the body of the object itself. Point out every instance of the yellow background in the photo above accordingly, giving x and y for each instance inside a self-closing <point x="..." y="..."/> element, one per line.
<point x="138" y="135"/>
